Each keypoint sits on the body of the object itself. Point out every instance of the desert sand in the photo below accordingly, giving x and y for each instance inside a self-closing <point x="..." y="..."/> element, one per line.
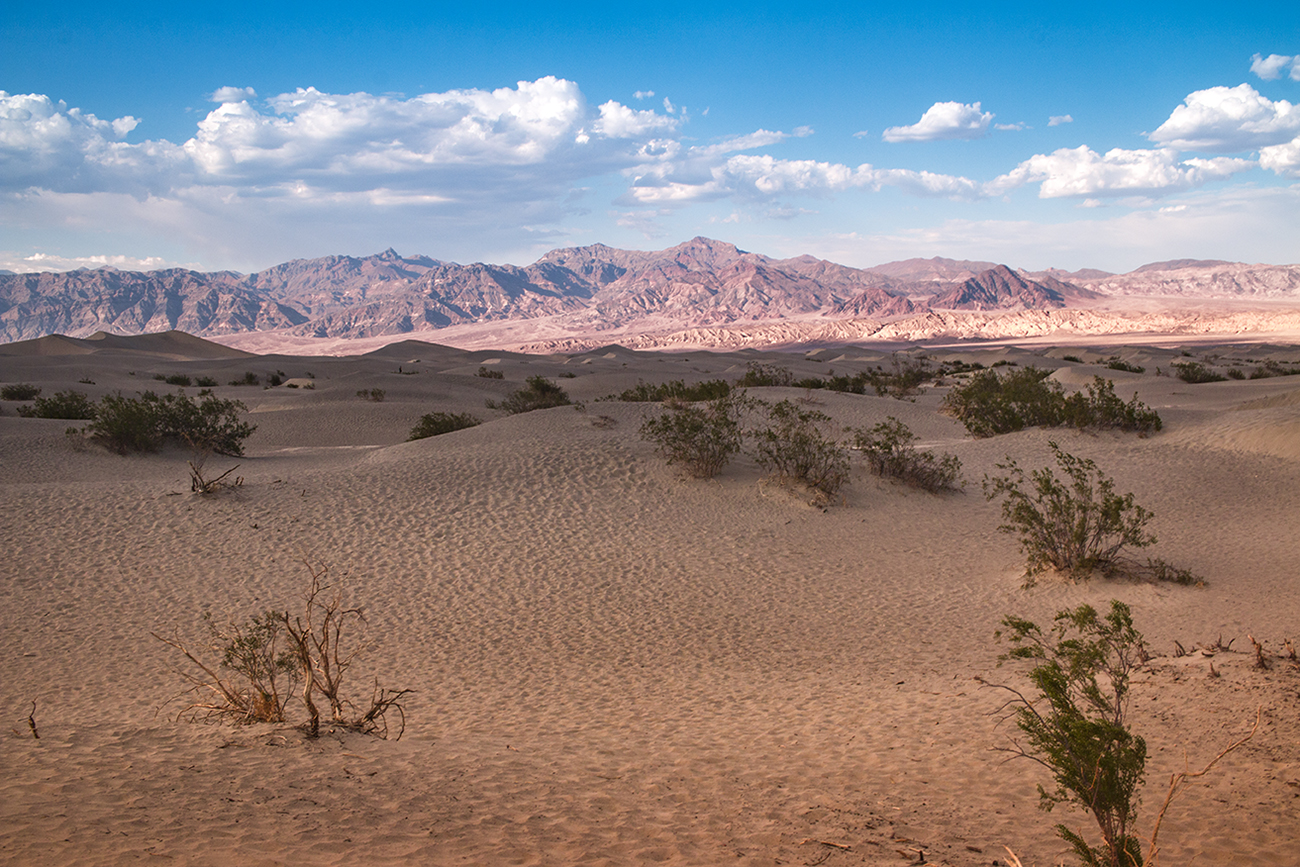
<point x="612" y="663"/>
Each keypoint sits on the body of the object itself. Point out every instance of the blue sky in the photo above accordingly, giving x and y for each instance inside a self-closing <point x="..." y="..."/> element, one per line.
<point x="149" y="135"/>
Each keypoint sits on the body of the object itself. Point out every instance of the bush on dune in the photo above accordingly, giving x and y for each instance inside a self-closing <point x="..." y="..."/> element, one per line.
<point x="701" y="438"/>
<point x="539" y="393"/>
<point x="890" y="454"/>
<point x="63" y="404"/>
<point x="797" y="447"/>
<point x="145" y="423"/>
<point x="437" y="423"/>
<point x="990" y="404"/>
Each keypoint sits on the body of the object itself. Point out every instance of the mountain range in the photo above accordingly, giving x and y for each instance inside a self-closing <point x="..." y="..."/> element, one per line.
<point x="572" y="298"/>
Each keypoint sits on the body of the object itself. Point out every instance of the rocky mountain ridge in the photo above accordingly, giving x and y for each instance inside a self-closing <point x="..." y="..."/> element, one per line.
<point x="588" y="291"/>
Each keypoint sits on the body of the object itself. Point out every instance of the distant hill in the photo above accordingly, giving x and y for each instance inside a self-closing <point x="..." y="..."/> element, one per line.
<point x="583" y="292"/>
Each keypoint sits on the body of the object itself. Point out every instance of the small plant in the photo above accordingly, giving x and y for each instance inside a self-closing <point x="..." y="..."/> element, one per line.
<point x="274" y="379"/>
<point x="249" y="378"/>
<point x="1077" y="723"/>
<point x="1075" y="525"/>
<point x="1097" y="407"/>
<point x="796" y="447"/>
<point x="890" y="453"/>
<point x="1118" y="364"/>
<point x="1195" y="372"/>
<point x="375" y="394"/>
<point x="276" y="655"/>
<point x="704" y="438"/>
<point x="539" y="393"/>
<point x="1076" y="359"/>
<point x="177" y="379"/>
<point x="991" y="404"/>
<point x="19" y="391"/>
<point x="490" y="374"/>
<point x="205" y="382"/>
<point x="436" y="423"/>
<point x="63" y="404"/>
<point x="758" y="375"/>
<point x="644" y="392"/>
<point x="144" y="423"/>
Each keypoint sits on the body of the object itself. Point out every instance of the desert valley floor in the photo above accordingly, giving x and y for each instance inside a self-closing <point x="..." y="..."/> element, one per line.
<point x="611" y="663"/>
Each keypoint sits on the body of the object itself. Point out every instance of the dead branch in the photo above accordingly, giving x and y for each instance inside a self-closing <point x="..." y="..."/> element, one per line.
<point x="1177" y="781"/>
<point x="200" y="484"/>
<point x="31" y="722"/>
<point x="1260" y="662"/>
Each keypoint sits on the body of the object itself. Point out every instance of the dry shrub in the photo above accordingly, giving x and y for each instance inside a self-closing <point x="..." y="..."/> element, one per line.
<point x="276" y="656"/>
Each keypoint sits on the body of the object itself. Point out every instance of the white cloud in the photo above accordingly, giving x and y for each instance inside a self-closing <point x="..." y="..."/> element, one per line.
<point x="619" y="121"/>
<point x="643" y="94"/>
<point x="1058" y="119"/>
<point x="1271" y="68"/>
<point x="37" y="262"/>
<point x="1227" y="120"/>
<point x="1284" y="159"/>
<point x="232" y="94"/>
<point x="668" y="106"/>
<point x="944" y="120"/>
<point x="1082" y="171"/>
<point x="1011" y="127"/>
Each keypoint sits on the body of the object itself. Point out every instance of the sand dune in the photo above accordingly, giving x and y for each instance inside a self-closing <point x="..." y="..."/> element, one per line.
<point x="613" y="664"/>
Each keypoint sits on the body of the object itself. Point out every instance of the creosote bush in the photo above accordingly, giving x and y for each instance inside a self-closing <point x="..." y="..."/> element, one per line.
<point x="1195" y="372"/>
<point x="991" y="404"/>
<point x="375" y="394"/>
<point x="796" y="447"/>
<point x="644" y="392"/>
<point x="278" y="655"/>
<point x="1076" y="524"/>
<point x="63" y="404"/>
<point x="890" y="454"/>
<point x="435" y="423"/>
<point x="701" y="438"/>
<point x="539" y="393"/>
<point x="1077" y="723"/>
<point x="490" y="374"/>
<point x="19" y="391"/>
<point x="145" y="423"/>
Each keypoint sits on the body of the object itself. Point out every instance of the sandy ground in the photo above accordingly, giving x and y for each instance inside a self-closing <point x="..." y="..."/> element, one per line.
<point x="613" y="664"/>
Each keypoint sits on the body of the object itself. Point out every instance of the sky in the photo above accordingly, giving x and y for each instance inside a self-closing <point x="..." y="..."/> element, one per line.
<point x="1100" y="135"/>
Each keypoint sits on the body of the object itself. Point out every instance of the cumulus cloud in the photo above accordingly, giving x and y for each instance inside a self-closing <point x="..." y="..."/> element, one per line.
<point x="232" y="94"/>
<point x="643" y="94"/>
<point x="1058" y="119"/>
<point x="38" y="262"/>
<point x="1284" y="159"/>
<point x="1227" y="120"/>
<point x="1271" y="68"/>
<point x="1083" y="172"/>
<point x="944" y="120"/>
<point x="619" y="121"/>
<point x="1011" y="127"/>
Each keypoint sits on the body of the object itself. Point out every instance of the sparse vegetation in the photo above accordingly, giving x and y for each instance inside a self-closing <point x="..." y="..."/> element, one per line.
<point x="436" y="423"/>
<point x="1119" y="364"/>
<point x="375" y="394"/>
<point x="490" y="374"/>
<point x="539" y="393"/>
<point x="205" y="382"/>
<point x="1077" y="723"/>
<point x="890" y="454"/>
<point x="644" y="392"/>
<point x="276" y="655"/>
<point x="1076" y="525"/>
<point x="796" y="447"/>
<point x="249" y="378"/>
<point x="1195" y="372"/>
<point x="144" y="423"/>
<point x="19" y="391"/>
<point x="702" y="438"/>
<point x="1273" y="368"/>
<point x="175" y="379"/>
<point x="991" y="404"/>
<point x="63" y="404"/>
<point x="760" y="375"/>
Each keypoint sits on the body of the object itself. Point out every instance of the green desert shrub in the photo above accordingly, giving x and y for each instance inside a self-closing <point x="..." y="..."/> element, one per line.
<point x="1076" y="524"/>
<point x="701" y="437"/>
<point x="797" y="446"/>
<point x="539" y="393"/>
<point x="1076" y="723"/>
<point x="436" y="423"/>
<point x="63" y="404"/>
<point x="176" y="379"/>
<point x="1098" y="408"/>
<point x="1195" y="372"/>
<point x="644" y="392"/>
<point x="205" y="382"/>
<point x="890" y="454"/>
<point x="1273" y="368"/>
<point x="490" y="374"/>
<point x="1119" y="364"/>
<point x="249" y="378"/>
<point x="145" y="423"/>
<point x="760" y="375"/>
<point x="990" y="404"/>
<point x="19" y="391"/>
<point x="375" y="394"/>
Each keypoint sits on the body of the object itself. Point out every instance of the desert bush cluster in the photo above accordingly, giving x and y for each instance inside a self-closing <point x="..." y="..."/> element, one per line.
<point x="644" y="392"/>
<point x="700" y="438"/>
<point x="538" y="393"/>
<point x="19" y="391"/>
<point x="146" y="422"/>
<point x="890" y="453"/>
<point x="990" y="404"/>
<point x="435" y="423"/>
<point x="799" y="445"/>
<point x="70" y="404"/>
<point x="253" y="671"/>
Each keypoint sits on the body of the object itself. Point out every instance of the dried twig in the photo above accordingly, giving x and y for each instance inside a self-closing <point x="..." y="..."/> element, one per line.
<point x="31" y="722"/>
<point x="1260" y="662"/>
<point x="1177" y="781"/>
